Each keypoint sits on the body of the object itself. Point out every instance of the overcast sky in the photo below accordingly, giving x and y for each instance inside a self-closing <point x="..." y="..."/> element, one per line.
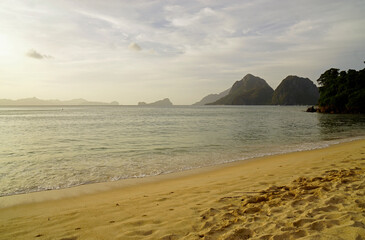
<point x="131" y="51"/>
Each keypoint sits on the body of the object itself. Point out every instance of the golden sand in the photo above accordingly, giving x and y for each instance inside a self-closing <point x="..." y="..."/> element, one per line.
<point x="318" y="194"/>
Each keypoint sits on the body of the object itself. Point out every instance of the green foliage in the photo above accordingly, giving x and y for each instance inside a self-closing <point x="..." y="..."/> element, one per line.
<point x="342" y="92"/>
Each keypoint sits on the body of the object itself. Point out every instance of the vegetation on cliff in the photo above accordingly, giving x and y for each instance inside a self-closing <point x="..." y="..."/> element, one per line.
<point x="250" y="90"/>
<point x="294" y="90"/>
<point x="342" y="92"/>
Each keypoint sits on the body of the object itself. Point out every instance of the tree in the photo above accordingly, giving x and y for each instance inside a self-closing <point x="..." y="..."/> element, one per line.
<point x="342" y="92"/>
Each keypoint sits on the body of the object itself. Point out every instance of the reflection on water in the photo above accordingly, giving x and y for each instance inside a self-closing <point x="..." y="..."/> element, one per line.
<point x="336" y="126"/>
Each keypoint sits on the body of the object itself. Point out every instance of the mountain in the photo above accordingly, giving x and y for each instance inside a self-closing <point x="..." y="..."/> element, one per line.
<point x="212" y="98"/>
<point x="35" y="102"/>
<point x="162" y="103"/>
<point x="250" y="90"/>
<point x="294" y="90"/>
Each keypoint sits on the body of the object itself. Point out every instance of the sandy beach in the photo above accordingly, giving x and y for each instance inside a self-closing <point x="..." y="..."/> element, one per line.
<point x="318" y="194"/>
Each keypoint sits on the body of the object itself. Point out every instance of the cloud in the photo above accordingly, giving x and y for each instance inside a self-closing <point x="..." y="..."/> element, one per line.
<point x="134" y="46"/>
<point x="34" y="54"/>
<point x="182" y="40"/>
<point x="179" y="17"/>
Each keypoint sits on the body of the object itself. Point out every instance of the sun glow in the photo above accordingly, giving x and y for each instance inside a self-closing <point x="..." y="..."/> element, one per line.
<point x="7" y="46"/>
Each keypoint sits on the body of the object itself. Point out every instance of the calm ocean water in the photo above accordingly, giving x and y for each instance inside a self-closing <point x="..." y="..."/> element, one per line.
<point x="58" y="147"/>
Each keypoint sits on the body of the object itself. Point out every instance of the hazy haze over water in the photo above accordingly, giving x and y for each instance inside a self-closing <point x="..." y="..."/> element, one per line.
<point x="50" y="147"/>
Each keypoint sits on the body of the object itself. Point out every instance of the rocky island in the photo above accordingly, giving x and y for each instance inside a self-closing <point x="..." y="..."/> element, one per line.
<point x="294" y="90"/>
<point x="162" y="103"/>
<point x="250" y="90"/>
<point x="253" y="90"/>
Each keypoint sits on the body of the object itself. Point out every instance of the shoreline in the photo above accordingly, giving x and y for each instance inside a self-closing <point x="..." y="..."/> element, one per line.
<point x="97" y="187"/>
<point x="182" y="205"/>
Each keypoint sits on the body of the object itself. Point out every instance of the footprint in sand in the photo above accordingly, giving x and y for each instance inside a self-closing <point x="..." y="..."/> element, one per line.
<point x="329" y="208"/>
<point x="209" y="212"/>
<point x="360" y="203"/>
<point x="298" y="203"/>
<point x="141" y="233"/>
<point x="240" y="233"/>
<point x="335" y="200"/>
<point x="302" y="222"/>
<point x="69" y="238"/>
<point x="162" y="199"/>
<point x="282" y="236"/>
<point x="169" y="237"/>
<point x="322" y="224"/>
<point x="304" y="208"/>
<point x="299" y="234"/>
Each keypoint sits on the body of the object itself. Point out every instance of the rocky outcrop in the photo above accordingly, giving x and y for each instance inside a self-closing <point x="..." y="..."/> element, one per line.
<point x="250" y="90"/>
<point x="163" y="103"/>
<point x="294" y="90"/>
<point x="312" y="109"/>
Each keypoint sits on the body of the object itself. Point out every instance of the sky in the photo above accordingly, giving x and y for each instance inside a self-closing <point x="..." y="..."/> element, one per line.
<point x="147" y="50"/>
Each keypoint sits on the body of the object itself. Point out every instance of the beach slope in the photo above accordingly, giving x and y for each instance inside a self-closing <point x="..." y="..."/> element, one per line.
<point x="318" y="194"/>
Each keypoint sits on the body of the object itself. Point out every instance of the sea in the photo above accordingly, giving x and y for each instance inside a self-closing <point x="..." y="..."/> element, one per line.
<point x="55" y="147"/>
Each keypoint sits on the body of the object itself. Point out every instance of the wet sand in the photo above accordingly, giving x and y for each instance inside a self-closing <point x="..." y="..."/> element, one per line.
<point x="318" y="194"/>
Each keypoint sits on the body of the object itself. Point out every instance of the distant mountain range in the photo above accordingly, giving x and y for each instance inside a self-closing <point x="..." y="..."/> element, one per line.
<point x="35" y="102"/>
<point x="252" y="90"/>
<point x="162" y="103"/>
<point x="212" y="98"/>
